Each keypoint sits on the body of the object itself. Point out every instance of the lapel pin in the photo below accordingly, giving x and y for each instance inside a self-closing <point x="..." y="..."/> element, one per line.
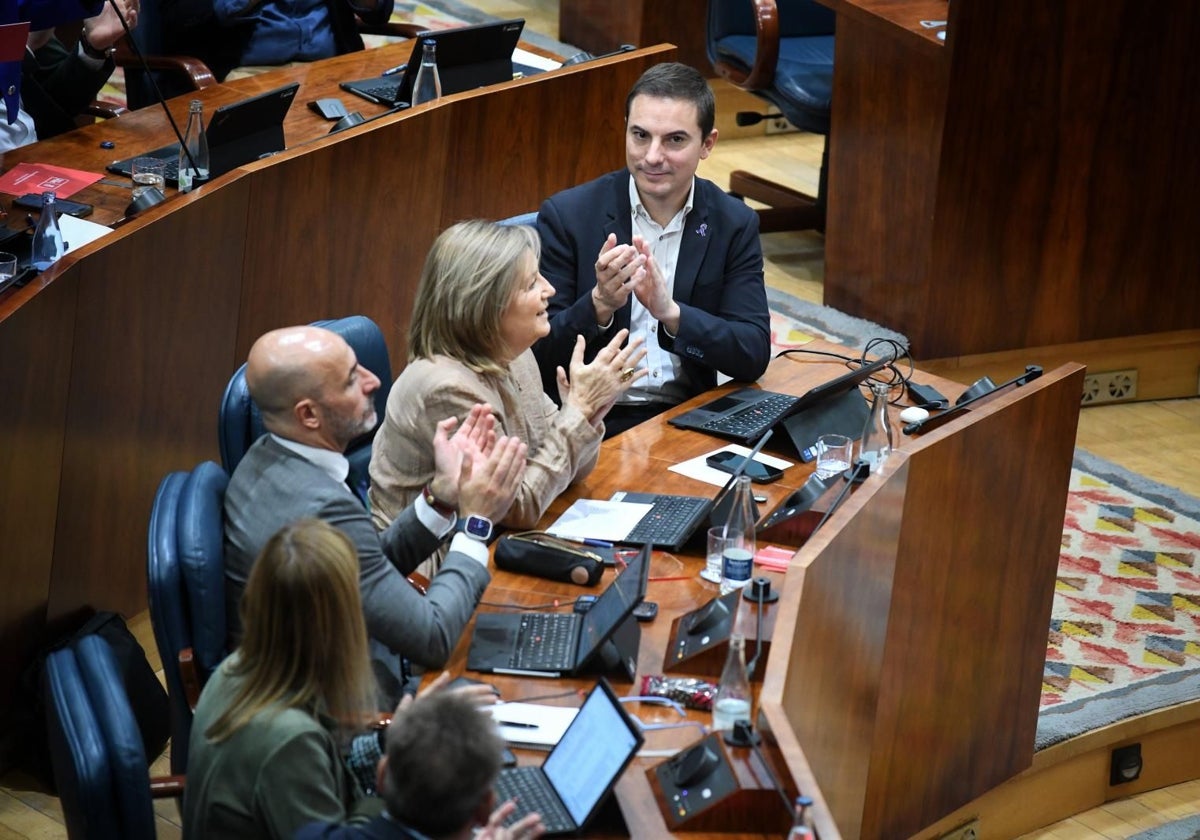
<point x="703" y="229"/>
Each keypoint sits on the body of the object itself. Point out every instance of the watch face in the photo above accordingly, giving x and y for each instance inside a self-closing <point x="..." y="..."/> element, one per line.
<point x="479" y="527"/>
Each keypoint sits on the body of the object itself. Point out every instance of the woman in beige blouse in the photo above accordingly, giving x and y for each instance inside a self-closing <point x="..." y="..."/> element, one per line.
<point x="480" y="307"/>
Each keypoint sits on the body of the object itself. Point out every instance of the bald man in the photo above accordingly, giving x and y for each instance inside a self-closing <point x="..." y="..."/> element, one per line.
<point x="315" y="398"/>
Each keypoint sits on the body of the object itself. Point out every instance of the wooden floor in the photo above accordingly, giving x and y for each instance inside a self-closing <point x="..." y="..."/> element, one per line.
<point x="1160" y="440"/>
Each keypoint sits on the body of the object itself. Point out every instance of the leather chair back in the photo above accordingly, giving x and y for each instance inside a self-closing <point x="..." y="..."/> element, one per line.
<point x="99" y="763"/>
<point x="186" y="580"/>
<point x="240" y="423"/>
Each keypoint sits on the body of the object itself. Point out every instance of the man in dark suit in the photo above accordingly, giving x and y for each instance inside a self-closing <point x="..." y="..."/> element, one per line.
<point x="315" y="398"/>
<point x="436" y="780"/>
<point x="662" y="252"/>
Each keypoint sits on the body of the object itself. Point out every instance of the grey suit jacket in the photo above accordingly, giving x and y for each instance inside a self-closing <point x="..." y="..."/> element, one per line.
<point x="273" y="486"/>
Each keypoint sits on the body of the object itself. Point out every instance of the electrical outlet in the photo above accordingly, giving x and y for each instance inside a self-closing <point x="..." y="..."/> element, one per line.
<point x="1110" y="387"/>
<point x="966" y="831"/>
<point x="779" y="125"/>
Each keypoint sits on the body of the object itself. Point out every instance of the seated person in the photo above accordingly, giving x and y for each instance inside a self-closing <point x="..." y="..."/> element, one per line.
<point x="315" y="399"/>
<point x="264" y="755"/>
<point x="480" y="305"/>
<point x="57" y="83"/>
<point x="225" y="34"/>
<point x="660" y="252"/>
<point x="442" y="760"/>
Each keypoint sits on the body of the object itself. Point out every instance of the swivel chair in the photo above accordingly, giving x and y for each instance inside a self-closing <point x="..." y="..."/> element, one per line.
<point x="240" y="423"/>
<point x="185" y="573"/>
<point x="99" y="762"/>
<point x="781" y="51"/>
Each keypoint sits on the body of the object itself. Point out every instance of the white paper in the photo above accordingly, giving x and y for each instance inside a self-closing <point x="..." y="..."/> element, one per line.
<point x="697" y="469"/>
<point x="529" y="59"/>
<point x="594" y="519"/>
<point x="79" y="232"/>
<point x="542" y="725"/>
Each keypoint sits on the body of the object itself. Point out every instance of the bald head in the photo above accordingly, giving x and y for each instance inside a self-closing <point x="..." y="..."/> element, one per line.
<point x="309" y="386"/>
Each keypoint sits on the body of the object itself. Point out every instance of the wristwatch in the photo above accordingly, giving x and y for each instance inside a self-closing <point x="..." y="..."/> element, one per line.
<point x="476" y="527"/>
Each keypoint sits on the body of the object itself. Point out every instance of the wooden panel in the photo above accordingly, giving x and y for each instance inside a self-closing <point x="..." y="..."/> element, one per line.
<point x="153" y="350"/>
<point x="600" y="26"/>
<point x="35" y="361"/>
<point x="920" y="628"/>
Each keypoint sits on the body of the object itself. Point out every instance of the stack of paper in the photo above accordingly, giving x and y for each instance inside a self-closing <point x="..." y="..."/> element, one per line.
<point x="532" y="725"/>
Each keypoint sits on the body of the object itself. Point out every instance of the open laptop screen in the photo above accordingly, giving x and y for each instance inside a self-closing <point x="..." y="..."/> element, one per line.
<point x="614" y="604"/>
<point x="591" y="754"/>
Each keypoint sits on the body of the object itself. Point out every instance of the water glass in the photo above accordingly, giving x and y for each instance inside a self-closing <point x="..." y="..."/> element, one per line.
<point x="149" y="172"/>
<point x="8" y="268"/>
<point x="714" y="559"/>
<point x="834" y="453"/>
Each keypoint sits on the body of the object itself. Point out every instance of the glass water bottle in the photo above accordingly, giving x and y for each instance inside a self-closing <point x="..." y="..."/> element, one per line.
<point x="737" y="560"/>
<point x="428" y="85"/>
<point x="802" y="826"/>
<point x="195" y="143"/>
<point x="732" y="702"/>
<point x="877" y="433"/>
<point x="48" y="244"/>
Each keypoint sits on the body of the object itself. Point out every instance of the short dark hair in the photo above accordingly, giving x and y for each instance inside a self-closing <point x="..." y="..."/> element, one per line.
<point x="673" y="80"/>
<point x="443" y="754"/>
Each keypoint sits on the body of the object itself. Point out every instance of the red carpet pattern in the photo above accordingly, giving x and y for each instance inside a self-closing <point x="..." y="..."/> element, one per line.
<point x="1127" y="602"/>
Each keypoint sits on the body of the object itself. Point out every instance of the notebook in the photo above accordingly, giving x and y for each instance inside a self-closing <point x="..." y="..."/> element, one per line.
<point x="833" y="407"/>
<point x="545" y="644"/>
<point x="237" y="134"/>
<point x="582" y="769"/>
<point x="468" y="57"/>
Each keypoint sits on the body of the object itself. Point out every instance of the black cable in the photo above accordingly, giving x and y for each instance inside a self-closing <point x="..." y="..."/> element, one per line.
<point x="154" y="83"/>
<point x="551" y="605"/>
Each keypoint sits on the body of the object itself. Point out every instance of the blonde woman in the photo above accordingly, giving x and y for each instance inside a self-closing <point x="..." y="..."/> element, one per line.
<point x="264" y="755"/>
<point x="480" y="306"/>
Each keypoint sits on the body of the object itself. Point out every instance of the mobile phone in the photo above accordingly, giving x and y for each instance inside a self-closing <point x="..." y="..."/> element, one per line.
<point x="645" y="611"/>
<point x="729" y="462"/>
<point x="584" y="603"/>
<point x="33" y="201"/>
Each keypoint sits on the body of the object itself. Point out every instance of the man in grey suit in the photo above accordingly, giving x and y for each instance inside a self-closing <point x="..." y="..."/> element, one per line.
<point x="315" y="398"/>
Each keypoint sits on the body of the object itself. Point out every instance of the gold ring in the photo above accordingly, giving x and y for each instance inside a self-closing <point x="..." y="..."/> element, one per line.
<point x="627" y="374"/>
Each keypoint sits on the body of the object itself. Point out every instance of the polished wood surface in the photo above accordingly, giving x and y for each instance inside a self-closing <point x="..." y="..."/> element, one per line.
<point x="600" y="26"/>
<point x="1021" y="183"/>
<point x="125" y="345"/>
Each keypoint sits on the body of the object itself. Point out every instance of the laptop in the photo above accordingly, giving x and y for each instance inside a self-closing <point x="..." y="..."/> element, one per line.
<point x="582" y="769"/>
<point x="237" y="134"/>
<point x="833" y="407"/>
<point x="548" y="644"/>
<point x="468" y="57"/>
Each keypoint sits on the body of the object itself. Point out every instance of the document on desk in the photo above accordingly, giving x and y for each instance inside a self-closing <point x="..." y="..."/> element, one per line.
<point x="535" y="726"/>
<point x="44" y="177"/>
<point x="79" y="232"/>
<point x="596" y="519"/>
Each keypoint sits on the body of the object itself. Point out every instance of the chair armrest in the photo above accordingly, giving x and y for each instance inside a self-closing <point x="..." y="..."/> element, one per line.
<point x="766" y="52"/>
<point x="396" y="30"/>
<point x="419" y="582"/>
<point x="190" y="678"/>
<point x="195" y="70"/>
<point x="164" y="786"/>
<point x="104" y="109"/>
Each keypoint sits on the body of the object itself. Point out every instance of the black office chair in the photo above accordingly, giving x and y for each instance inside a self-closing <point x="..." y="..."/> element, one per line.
<point x="240" y="423"/>
<point x="185" y="574"/>
<point x="100" y="766"/>
<point x="782" y="51"/>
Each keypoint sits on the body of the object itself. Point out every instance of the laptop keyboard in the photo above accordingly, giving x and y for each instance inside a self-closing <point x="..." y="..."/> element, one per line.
<point x="528" y="787"/>
<point x="544" y="642"/>
<point x="384" y="89"/>
<point x="668" y="522"/>
<point x="754" y="419"/>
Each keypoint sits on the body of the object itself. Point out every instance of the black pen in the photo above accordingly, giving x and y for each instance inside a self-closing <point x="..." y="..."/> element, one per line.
<point x="392" y="71"/>
<point x="516" y="725"/>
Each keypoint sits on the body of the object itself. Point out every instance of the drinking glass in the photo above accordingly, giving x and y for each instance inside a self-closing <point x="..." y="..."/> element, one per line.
<point x="834" y="453"/>
<point x="8" y="268"/>
<point x="149" y="172"/>
<point x="713" y="560"/>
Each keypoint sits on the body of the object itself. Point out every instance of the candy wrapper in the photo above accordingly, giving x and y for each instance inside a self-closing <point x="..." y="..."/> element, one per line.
<point x="692" y="693"/>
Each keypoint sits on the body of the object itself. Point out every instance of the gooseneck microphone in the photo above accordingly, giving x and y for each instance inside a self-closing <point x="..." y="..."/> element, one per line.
<point x="153" y="84"/>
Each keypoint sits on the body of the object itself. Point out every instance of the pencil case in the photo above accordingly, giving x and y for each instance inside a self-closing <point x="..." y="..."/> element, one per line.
<point x="554" y="558"/>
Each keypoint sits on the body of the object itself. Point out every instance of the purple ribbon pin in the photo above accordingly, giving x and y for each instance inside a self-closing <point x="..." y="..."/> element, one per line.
<point x="703" y="229"/>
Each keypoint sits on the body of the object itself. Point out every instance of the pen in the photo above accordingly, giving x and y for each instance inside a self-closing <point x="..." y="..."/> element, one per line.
<point x="596" y="543"/>
<point x="392" y="71"/>
<point x="516" y="725"/>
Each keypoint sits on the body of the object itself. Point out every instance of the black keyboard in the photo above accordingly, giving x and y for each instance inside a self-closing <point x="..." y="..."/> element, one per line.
<point x="384" y="90"/>
<point x="754" y="419"/>
<point x="546" y="642"/>
<point x="531" y="791"/>
<point x="668" y="522"/>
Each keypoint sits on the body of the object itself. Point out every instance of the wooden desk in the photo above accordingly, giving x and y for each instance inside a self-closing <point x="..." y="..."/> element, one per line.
<point x="634" y="460"/>
<point x="1019" y="185"/>
<point x="114" y="361"/>
<point x="600" y="26"/>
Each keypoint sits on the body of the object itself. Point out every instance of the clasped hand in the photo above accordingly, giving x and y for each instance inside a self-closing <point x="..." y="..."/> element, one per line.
<point x="622" y="270"/>
<point x="476" y="470"/>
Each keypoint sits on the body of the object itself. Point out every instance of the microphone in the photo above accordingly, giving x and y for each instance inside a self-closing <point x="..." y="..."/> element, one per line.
<point x="855" y="475"/>
<point x="1031" y="373"/>
<point x="154" y="84"/>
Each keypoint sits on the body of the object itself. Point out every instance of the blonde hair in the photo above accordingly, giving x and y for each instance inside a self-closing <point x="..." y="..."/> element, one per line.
<point x="304" y="644"/>
<point x="468" y="279"/>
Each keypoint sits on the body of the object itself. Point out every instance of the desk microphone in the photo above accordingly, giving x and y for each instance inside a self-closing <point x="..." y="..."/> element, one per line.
<point x="154" y="84"/>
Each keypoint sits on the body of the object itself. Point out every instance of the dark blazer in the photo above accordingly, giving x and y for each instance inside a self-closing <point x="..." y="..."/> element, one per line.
<point x="273" y="486"/>
<point x="379" y="828"/>
<point x="57" y="86"/>
<point x="724" y="322"/>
